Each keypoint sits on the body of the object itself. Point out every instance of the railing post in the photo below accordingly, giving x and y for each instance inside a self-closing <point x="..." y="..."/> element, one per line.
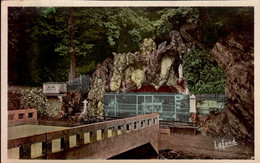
<point x="80" y="139"/>
<point x="123" y="128"/>
<point x="114" y="131"/>
<point x="105" y="133"/>
<point x="141" y="123"/>
<point x="138" y="125"/>
<point x="193" y="104"/>
<point x="25" y="151"/>
<point x="35" y="115"/>
<point x="152" y="104"/>
<point x="157" y="119"/>
<point x="48" y="148"/>
<point x="131" y="126"/>
<point x="115" y="108"/>
<point x="16" y="116"/>
<point x="65" y="142"/>
<point x="137" y="105"/>
<point x="175" y="108"/>
<point x="145" y="123"/>
<point x="44" y="148"/>
<point x="93" y="136"/>
<point x="26" y="116"/>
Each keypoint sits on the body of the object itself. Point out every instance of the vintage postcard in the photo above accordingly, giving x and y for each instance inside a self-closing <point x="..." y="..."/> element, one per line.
<point x="139" y="81"/>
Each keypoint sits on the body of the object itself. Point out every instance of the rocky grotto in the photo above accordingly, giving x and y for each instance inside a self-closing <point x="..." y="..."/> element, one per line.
<point x="152" y="69"/>
<point x="156" y="67"/>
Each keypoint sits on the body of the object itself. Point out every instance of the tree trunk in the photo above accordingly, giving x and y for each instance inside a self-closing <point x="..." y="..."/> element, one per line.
<point x="73" y="58"/>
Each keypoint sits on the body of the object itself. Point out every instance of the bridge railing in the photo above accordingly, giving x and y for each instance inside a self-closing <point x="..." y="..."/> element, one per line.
<point x="79" y="136"/>
<point x="17" y="117"/>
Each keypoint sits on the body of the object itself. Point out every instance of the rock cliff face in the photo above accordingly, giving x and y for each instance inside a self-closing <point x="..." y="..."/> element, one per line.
<point x="153" y="67"/>
<point x="71" y="104"/>
<point x="100" y="83"/>
<point x="235" y="54"/>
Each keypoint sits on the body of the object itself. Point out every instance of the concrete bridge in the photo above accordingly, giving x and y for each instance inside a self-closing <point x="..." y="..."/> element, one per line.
<point x="93" y="141"/>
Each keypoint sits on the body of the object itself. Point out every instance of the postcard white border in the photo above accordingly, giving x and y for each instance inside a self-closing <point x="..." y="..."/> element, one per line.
<point x="74" y="3"/>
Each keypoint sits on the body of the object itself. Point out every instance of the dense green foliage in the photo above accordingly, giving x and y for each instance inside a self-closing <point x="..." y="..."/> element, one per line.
<point x="38" y="38"/>
<point x="203" y="73"/>
<point x="217" y="22"/>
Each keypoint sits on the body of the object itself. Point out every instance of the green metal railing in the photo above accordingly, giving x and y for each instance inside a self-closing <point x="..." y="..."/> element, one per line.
<point x="171" y="107"/>
<point x="81" y="83"/>
<point x="214" y="97"/>
<point x="208" y="103"/>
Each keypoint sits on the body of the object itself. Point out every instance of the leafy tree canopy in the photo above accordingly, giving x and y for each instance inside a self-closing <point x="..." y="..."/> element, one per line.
<point x="202" y="73"/>
<point x="38" y="37"/>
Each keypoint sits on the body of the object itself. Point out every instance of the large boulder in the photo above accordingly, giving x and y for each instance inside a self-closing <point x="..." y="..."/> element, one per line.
<point x="235" y="54"/>
<point x="95" y="97"/>
<point x="147" y="45"/>
<point x="71" y="104"/>
<point x="104" y="71"/>
<point x="121" y="61"/>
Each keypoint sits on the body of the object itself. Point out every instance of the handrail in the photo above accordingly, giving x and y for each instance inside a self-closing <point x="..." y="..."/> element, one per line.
<point x="97" y="126"/>
<point x="17" y="142"/>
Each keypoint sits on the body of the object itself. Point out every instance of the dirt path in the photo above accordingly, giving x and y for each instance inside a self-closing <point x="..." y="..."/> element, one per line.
<point x="200" y="146"/>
